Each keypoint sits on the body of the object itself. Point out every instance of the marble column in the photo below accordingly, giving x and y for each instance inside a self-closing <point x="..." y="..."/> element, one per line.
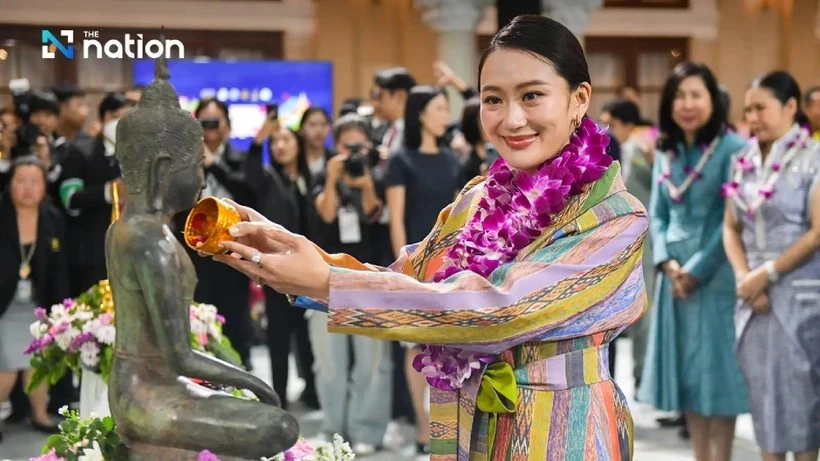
<point x="455" y="21"/>
<point x="575" y="14"/>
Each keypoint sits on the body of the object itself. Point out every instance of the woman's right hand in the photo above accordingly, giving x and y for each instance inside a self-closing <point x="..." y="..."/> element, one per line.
<point x="761" y="304"/>
<point x="267" y="129"/>
<point x="251" y="230"/>
<point x="336" y="168"/>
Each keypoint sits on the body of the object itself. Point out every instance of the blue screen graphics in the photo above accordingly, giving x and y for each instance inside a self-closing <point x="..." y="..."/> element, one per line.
<point x="247" y="87"/>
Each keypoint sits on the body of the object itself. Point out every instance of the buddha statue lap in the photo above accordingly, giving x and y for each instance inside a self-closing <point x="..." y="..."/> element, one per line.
<point x="160" y="413"/>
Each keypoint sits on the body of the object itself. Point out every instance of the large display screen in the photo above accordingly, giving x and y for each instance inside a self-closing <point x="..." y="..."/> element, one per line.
<point x="248" y="87"/>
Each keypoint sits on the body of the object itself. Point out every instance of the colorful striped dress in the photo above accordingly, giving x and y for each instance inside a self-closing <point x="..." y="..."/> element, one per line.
<point x="550" y="314"/>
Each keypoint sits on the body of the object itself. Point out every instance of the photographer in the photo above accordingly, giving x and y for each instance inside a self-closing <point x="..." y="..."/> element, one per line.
<point x="283" y="196"/>
<point x="37" y="111"/>
<point x="346" y="202"/>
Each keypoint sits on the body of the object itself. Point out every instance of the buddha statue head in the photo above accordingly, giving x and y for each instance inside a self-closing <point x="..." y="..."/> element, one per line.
<point x="160" y="150"/>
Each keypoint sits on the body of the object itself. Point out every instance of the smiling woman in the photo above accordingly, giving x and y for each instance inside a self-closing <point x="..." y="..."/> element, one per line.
<point x="522" y="282"/>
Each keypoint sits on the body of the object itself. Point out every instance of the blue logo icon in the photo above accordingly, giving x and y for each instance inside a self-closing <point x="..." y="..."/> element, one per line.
<point x="48" y="39"/>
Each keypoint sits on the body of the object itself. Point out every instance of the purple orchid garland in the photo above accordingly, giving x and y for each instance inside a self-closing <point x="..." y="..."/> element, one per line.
<point x="744" y="164"/>
<point x="516" y="209"/>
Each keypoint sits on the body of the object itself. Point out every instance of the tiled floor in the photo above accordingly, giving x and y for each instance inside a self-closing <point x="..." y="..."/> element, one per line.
<point x="652" y="443"/>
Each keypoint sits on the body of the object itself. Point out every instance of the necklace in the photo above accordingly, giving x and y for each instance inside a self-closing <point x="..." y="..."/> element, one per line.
<point x="25" y="265"/>
<point x="516" y="209"/>
<point x="676" y="192"/>
<point x="768" y="176"/>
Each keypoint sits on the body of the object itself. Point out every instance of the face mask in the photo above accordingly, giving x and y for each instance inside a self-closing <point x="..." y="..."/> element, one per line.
<point x="109" y="133"/>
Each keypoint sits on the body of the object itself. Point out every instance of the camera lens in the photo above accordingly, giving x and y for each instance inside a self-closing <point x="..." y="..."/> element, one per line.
<point x="354" y="165"/>
<point x="209" y="123"/>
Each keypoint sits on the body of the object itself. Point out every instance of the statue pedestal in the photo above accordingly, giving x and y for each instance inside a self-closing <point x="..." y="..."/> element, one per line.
<point x="93" y="395"/>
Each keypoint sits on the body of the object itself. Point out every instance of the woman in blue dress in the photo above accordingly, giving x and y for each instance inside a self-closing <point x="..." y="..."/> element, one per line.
<point x="690" y="364"/>
<point x="772" y="234"/>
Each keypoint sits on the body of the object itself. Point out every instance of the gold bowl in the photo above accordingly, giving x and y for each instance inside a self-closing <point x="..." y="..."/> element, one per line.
<point x="208" y="223"/>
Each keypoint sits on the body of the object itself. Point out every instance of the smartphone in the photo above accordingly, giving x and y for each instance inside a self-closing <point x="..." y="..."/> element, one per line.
<point x="273" y="111"/>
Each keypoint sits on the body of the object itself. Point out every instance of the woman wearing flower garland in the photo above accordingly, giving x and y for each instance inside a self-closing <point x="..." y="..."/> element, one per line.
<point x="772" y="234"/>
<point x="521" y="284"/>
<point x="690" y="364"/>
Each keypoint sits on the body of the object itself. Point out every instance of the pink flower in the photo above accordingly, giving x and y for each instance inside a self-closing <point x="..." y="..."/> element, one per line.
<point x="107" y="318"/>
<point x="776" y="166"/>
<point x="58" y="328"/>
<point x="202" y="338"/>
<point x="220" y="319"/>
<point x="766" y="192"/>
<point x="206" y="455"/>
<point x="50" y="456"/>
<point x="300" y="450"/>
<point x="41" y="314"/>
<point x="729" y="189"/>
<point x="745" y="164"/>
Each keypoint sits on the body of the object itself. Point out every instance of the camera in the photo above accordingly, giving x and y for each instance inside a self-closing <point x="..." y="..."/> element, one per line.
<point x="357" y="161"/>
<point x="209" y="123"/>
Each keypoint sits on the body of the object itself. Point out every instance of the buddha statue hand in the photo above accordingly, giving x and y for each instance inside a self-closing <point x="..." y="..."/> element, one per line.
<point x="222" y="373"/>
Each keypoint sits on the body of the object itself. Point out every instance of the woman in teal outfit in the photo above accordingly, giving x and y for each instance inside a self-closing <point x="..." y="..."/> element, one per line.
<point x="690" y="364"/>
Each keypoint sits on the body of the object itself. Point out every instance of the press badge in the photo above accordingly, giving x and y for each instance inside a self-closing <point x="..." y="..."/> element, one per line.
<point x="23" y="293"/>
<point x="350" y="230"/>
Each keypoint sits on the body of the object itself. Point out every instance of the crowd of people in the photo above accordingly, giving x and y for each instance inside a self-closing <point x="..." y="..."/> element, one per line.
<point x="730" y="265"/>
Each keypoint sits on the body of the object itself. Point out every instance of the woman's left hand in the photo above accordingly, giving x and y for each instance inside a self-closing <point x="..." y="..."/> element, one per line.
<point x="299" y="271"/>
<point x="752" y="284"/>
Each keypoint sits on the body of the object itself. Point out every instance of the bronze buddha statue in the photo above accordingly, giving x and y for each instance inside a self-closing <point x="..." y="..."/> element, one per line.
<point x="160" y="413"/>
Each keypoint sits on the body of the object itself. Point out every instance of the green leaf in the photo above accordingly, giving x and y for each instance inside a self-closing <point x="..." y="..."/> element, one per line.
<point x="223" y="350"/>
<point x="106" y="361"/>
<point x="108" y="423"/>
<point x="61" y="447"/>
<point x="40" y="375"/>
<point x="51" y="442"/>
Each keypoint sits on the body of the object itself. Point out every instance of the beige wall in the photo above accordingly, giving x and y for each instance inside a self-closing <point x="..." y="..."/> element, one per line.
<point x="751" y="41"/>
<point x="361" y="37"/>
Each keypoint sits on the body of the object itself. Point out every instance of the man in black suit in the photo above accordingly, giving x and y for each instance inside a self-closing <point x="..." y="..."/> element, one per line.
<point x="218" y="284"/>
<point x="87" y="190"/>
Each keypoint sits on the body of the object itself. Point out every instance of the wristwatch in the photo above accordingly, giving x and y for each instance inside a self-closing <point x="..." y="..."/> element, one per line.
<point x="771" y="272"/>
